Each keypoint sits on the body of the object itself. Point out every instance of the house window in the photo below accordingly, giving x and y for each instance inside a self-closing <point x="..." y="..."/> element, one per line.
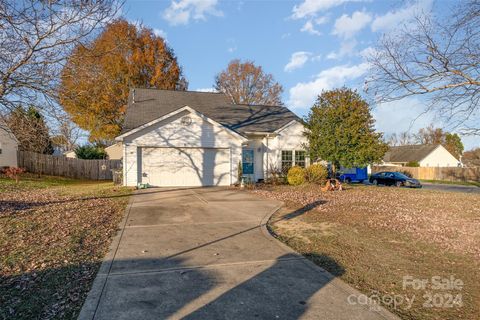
<point x="300" y="158"/>
<point x="287" y="160"/>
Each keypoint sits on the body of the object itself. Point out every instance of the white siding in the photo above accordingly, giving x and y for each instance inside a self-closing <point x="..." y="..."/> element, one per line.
<point x="440" y="157"/>
<point x="115" y="151"/>
<point x="9" y="147"/>
<point x="70" y="154"/>
<point x="130" y="158"/>
<point x="290" y="138"/>
<point x="172" y="133"/>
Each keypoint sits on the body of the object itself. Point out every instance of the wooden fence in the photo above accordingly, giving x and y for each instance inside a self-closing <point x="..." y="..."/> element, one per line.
<point x="436" y="173"/>
<point x="67" y="167"/>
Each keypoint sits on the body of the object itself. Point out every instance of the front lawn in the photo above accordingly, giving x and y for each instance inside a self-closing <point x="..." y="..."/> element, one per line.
<point x="54" y="233"/>
<point x="379" y="235"/>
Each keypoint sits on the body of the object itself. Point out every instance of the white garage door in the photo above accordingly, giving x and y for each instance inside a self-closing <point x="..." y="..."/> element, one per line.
<point x="175" y="167"/>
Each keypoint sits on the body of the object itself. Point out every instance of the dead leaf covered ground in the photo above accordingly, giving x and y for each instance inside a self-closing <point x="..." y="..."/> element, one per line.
<point x="53" y="236"/>
<point x="378" y="235"/>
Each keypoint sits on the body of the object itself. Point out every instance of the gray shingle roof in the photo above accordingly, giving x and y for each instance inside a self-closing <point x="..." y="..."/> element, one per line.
<point x="409" y="153"/>
<point x="151" y="104"/>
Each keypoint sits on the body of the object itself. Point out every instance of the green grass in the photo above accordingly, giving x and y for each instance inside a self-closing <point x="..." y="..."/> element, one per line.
<point x="54" y="233"/>
<point x="32" y="181"/>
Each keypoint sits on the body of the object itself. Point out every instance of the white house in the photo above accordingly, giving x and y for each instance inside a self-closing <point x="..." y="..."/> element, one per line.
<point x="8" y="147"/>
<point x="115" y="151"/>
<point x="186" y="138"/>
<point x="426" y="155"/>
<point x="70" y="154"/>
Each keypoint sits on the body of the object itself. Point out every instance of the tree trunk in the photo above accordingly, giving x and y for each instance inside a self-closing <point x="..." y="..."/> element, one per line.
<point x="334" y="170"/>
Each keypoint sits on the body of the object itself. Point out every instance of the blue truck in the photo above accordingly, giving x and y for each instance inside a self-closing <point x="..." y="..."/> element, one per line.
<point x="353" y="174"/>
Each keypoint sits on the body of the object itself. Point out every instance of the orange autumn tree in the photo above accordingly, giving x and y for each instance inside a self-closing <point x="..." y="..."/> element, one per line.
<point x="96" y="80"/>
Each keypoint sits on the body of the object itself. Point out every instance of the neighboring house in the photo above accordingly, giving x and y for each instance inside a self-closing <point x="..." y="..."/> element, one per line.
<point x="70" y="154"/>
<point x="8" y="147"/>
<point x="426" y="155"/>
<point x="115" y="151"/>
<point x="186" y="138"/>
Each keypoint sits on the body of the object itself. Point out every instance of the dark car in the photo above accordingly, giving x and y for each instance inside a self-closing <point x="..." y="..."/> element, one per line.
<point x="394" y="179"/>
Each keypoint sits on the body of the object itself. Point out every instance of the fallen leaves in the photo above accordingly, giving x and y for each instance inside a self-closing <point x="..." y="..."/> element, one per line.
<point x="372" y="237"/>
<point x="52" y="241"/>
<point x="451" y="220"/>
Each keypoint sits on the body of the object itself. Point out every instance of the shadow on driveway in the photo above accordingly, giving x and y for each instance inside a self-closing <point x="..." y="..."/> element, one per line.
<point x="268" y="290"/>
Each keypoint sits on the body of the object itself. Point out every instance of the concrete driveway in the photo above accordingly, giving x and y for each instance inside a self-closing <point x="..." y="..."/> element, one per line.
<point x="206" y="254"/>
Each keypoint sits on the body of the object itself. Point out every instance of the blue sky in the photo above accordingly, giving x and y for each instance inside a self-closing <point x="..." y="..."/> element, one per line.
<point x="308" y="45"/>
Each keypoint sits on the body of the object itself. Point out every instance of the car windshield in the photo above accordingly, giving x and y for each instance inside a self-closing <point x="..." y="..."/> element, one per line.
<point x="401" y="175"/>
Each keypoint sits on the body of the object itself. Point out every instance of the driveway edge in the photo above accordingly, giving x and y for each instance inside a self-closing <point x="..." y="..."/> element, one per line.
<point x="92" y="301"/>
<point x="333" y="280"/>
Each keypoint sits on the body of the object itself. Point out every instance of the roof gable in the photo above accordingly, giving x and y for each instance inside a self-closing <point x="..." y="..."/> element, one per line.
<point x="172" y="114"/>
<point x="146" y="105"/>
<point x="409" y="153"/>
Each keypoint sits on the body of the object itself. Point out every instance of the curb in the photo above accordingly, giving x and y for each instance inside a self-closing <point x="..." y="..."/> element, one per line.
<point x="92" y="301"/>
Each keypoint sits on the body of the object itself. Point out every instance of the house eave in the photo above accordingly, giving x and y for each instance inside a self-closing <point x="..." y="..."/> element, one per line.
<point x="286" y="126"/>
<point x="261" y="133"/>
<point x="121" y="137"/>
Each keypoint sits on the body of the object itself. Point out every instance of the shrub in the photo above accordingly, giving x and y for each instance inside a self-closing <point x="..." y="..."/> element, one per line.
<point x="275" y="176"/>
<point x="239" y="172"/>
<point x="13" y="173"/>
<point x="316" y="173"/>
<point x="412" y="164"/>
<point x="90" y="152"/>
<point x="296" y="176"/>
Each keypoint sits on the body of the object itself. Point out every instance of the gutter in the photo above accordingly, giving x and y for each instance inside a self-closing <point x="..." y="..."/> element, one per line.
<point x="260" y="133"/>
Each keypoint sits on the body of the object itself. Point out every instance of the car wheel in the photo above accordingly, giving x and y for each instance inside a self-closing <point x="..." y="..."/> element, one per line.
<point x="398" y="184"/>
<point x="348" y="180"/>
<point x="375" y="182"/>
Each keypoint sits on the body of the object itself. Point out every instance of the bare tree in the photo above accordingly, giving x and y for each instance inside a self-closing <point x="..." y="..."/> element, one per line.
<point x="435" y="57"/>
<point x="471" y="158"/>
<point x="392" y="140"/>
<point x="429" y="135"/>
<point x="30" y="129"/>
<point x="65" y="133"/>
<point x="35" y="40"/>
<point x="246" y="83"/>
<point x="404" y="138"/>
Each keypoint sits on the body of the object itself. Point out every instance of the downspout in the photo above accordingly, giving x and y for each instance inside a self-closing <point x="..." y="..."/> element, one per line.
<point x="124" y="164"/>
<point x="267" y="137"/>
